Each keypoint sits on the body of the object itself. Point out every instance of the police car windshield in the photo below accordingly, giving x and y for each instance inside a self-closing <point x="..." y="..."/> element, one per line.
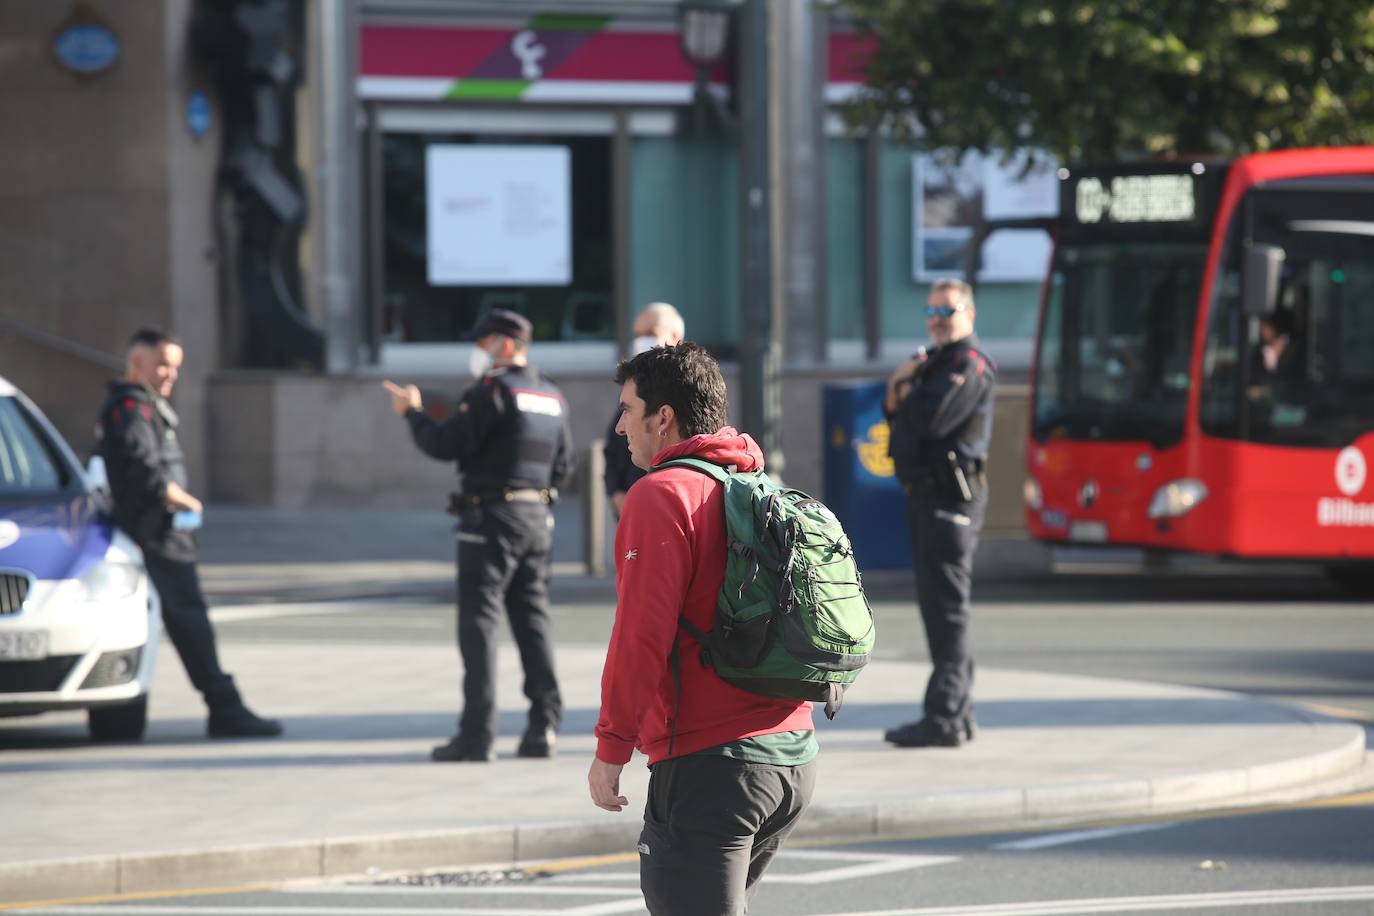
<point x="28" y="465"/>
<point x="1117" y="339"/>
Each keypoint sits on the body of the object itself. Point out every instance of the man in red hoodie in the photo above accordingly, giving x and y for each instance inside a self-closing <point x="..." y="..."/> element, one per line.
<point x="730" y="771"/>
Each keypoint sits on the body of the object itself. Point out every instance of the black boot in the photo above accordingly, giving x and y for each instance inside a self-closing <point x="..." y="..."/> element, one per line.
<point x="537" y="742"/>
<point x="238" y="721"/>
<point x="460" y="750"/>
<point x="926" y="733"/>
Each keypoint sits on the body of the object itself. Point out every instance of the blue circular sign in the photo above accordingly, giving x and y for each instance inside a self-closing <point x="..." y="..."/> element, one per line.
<point x="87" y="48"/>
<point x="198" y="113"/>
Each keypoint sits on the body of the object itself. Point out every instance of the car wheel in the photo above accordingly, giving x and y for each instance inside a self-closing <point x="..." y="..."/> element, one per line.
<point x="119" y="723"/>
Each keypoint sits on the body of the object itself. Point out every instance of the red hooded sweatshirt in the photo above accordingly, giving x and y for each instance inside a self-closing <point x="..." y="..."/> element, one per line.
<point x="670" y="562"/>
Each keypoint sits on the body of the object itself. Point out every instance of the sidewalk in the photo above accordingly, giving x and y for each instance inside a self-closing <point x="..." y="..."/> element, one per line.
<point x="350" y="788"/>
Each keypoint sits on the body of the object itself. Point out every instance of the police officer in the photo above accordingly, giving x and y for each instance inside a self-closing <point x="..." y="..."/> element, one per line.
<point x="137" y="439"/>
<point x="939" y="406"/>
<point x="509" y="435"/>
<point x="658" y="325"/>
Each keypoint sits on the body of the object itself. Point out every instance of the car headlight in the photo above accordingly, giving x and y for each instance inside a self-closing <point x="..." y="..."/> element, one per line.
<point x="111" y="580"/>
<point x="1035" y="498"/>
<point x="1177" y="497"/>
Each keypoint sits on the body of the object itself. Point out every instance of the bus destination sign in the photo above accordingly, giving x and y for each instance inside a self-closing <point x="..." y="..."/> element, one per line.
<point x="1135" y="199"/>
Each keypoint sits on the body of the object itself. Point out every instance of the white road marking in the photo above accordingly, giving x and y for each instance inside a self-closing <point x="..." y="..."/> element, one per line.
<point x="541" y="889"/>
<point x="1079" y="836"/>
<point x="593" y="909"/>
<point x="1161" y="903"/>
<point x="238" y="612"/>
<point x="865" y="865"/>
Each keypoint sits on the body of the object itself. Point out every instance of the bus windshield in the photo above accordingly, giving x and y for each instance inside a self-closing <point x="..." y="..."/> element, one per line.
<point x="1116" y="343"/>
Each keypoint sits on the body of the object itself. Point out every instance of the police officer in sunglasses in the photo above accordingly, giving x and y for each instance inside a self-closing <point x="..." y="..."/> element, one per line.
<point x="939" y="407"/>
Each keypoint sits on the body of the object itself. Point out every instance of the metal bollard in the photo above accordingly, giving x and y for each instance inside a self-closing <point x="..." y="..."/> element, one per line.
<point x="594" y="510"/>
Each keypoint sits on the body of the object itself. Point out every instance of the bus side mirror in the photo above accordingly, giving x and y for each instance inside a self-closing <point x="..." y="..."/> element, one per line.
<point x="1262" y="266"/>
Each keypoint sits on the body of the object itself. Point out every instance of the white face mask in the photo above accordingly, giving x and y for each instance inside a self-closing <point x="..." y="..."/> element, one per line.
<point x="642" y="343"/>
<point x="479" y="362"/>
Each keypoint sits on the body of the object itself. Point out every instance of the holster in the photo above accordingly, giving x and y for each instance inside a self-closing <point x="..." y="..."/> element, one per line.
<point x="940" y="481"/>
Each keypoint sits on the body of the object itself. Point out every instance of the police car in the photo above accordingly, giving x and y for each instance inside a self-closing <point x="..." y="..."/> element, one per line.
<point x="79" y="622"/>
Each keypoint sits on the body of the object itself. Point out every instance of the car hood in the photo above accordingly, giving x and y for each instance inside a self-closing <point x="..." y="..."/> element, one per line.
<point x="61" y="539"/>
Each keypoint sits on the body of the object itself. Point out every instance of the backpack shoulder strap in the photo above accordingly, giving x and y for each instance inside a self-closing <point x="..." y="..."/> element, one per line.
<point x="696" y="464"/>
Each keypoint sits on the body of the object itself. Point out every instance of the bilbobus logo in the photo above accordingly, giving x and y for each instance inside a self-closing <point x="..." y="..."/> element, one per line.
<point x="1350" y="470"/>
<point x="1350" y="477"/>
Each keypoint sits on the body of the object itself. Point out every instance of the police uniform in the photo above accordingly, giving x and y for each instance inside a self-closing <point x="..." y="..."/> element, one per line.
<point x="137" y="433"/>
<point x="509" y="436"/>
<point x="620" y="472"/>
<point x="940" y="433"/>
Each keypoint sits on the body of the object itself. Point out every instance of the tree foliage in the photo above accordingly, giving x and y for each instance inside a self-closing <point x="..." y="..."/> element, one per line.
<point x="1095" y="80"/>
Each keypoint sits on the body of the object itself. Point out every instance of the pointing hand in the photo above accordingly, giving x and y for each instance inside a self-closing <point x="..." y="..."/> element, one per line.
<point x="403" y="399"/>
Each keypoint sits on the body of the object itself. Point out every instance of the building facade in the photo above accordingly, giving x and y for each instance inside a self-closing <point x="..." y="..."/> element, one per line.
<point x="563" y="158"/>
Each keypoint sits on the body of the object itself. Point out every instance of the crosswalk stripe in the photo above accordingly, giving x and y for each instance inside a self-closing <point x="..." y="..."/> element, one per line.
<point x="1155" y="904"/>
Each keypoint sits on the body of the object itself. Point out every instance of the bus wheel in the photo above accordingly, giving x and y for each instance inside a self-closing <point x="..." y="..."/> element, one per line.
<point x="1356" y="580"/>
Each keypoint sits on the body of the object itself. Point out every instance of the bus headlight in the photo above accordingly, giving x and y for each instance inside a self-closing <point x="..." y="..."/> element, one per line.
<point x="1034" y="496"/>
<point x="1177" y="497"/>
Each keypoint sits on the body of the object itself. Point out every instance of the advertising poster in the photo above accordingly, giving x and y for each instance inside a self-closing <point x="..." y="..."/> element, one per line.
<point x="499" y="215"/>
<point x="949" y="197"/>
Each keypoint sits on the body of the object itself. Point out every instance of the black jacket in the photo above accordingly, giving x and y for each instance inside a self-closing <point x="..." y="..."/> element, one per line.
<point x="620" y="473"/>
<point x="509" y="430"/>
<point x="138" y="442"/>
<point x="941" y="414"/>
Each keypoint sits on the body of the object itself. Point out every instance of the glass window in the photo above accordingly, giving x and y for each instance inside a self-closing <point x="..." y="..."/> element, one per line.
<point x="1117" y="342"/>
<point x="684" y="233"/>
<point x="1309" y="368"/>
<point x="415" y="311"/>
<point x="844" y="223"/>
<point x="28" y="466"/>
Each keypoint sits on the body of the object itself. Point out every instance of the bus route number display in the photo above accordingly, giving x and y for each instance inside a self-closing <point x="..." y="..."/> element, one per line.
<point x="1135" y="199"/>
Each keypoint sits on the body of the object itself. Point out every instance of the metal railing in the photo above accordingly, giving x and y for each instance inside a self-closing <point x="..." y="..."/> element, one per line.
<point x="63" y="345"/>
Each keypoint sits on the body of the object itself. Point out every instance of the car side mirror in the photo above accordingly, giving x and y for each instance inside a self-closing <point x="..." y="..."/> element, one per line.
<point x="1262" y="266"/>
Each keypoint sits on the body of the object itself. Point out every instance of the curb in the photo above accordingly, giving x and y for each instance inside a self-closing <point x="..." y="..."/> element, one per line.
<point x="1009" y="808"/>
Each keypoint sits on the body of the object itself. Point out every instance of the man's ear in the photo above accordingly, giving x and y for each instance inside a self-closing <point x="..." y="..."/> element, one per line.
<point x="669" y="418"/>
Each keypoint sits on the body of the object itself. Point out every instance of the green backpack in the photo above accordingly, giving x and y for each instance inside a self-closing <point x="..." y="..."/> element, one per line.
<point x="792" y="620"/>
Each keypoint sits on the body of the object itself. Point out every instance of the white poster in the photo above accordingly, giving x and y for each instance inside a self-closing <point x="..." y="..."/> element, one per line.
<point x="948" y="198"/>
<point x="499" y="215"/>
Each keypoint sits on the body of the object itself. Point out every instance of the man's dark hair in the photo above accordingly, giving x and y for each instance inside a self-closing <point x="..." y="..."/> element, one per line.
<point x="684" y="377"/>
<point x="1280" y="321"/>
<point x="150" y="337"/>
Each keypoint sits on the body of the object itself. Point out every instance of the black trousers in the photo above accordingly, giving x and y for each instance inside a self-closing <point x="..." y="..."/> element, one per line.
<point x="944" y="536"/>
<point x="503" y="565"/>
<point x="186" y="618"/>
<point x="712" y="825"/>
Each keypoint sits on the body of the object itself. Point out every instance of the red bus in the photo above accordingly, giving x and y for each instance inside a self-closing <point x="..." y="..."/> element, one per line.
<point x="1159" y="417"/>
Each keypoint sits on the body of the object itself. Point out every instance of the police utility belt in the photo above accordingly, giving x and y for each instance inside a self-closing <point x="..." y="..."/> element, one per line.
<point x="955" y="477"/>
<point x="459" y="502"/>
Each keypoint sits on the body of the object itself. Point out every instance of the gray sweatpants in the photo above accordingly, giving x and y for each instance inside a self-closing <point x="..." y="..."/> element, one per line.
<point x="711" y="827"/>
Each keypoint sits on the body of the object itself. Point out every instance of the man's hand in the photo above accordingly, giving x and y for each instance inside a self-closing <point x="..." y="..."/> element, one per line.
<point x="403" y="399"/>
<point x="177" y="498"/>
<point x="604" y="781"/>
<point x="899" y="382"/>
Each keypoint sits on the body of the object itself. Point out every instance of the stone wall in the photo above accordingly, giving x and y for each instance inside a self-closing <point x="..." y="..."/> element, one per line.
<point x="293" y="441"/>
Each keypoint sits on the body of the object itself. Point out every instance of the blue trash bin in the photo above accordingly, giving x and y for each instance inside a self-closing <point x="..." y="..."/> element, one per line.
<point x="860" y="486"/>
